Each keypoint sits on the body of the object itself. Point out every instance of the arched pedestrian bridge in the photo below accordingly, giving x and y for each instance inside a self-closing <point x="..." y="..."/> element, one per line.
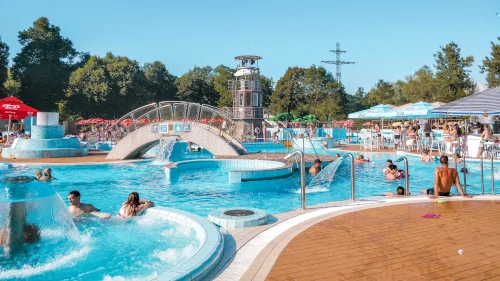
<point x="205" y="125"/>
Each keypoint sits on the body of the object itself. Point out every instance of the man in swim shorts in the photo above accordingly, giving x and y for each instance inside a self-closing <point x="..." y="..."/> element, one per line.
<point x="444" y="178"/>
<point x="314" y="170"/>
<point x="77" y="208"/>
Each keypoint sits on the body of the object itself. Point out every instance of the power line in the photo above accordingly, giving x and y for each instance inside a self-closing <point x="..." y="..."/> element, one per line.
<point x="338" y="62"/>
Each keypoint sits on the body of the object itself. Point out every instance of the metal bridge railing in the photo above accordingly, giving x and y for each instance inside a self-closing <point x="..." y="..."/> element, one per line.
<point x="210" y="117"/>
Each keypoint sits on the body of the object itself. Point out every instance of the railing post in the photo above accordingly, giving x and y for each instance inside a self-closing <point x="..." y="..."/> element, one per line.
<point x="303" y="180"/>
<point x="407" y="178"/>
<point x="492" y="172"/>
<point x="302" y="170"/>
<point x="482" y="172"/>
<point x="353" y="183"/>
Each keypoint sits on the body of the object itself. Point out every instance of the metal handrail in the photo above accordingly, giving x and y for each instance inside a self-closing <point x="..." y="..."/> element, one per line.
<point x="302" y="175"/>
<point x="460" y="150"/>
<point x="482" y="171"/>
<point x="407" y="179"/>
<point x="310" y="141"/>
<point x="288" y="134"/>
<point x="353" y="184"/>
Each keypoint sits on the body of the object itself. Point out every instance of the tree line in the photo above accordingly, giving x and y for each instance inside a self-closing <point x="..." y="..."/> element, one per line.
<point x="51" y="75"/>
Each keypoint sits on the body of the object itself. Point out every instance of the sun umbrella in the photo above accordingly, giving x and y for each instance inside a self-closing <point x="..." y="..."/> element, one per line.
<point x="373" y="112"/>
<point x="12" y="108"/>
<point x="415" y="110"/>
<point x="485" y="102"/>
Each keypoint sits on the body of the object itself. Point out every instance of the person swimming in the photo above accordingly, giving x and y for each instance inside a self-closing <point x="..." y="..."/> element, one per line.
<point x="425" y="156"/>
<point x="47" y="175"/>
<point x="360" y="159"/>
<point x="38" y="174"/>
<point x="134" y="206"/>
<point x="392" y="173"/>
<point x="399" y="192"/>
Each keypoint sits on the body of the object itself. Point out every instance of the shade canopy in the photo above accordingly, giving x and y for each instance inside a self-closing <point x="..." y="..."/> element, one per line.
<point x="416" y="110"/>
<point x="485" y="102"/>
<point x="373" y="112"/>
<point x="12" y="108"/>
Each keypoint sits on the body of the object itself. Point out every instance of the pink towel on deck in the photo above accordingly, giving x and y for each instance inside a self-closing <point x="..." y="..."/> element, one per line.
<point x="430" y="216"/>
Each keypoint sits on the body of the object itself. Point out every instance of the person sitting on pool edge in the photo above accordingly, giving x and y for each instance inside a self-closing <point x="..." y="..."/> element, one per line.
<point x="444" y="178"/>
<point x="399" y="192"/>
<point x="360" y="159"/>
<point x="134" y="206"/>
<point x="314" y="170"/>
<point x="426" y="157"/>
<point x="77" y="208"/>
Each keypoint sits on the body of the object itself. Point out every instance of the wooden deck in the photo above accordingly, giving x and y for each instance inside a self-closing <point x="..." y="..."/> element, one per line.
<point x="396" y="243"/>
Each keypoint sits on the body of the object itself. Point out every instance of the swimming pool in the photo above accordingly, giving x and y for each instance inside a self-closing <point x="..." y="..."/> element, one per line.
<point x="88" y="248"/>
<point x="202" y="191"/>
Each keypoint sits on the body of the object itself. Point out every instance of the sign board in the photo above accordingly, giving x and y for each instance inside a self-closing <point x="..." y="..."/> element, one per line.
<point x="178" y="128"/>
<point x="155" y="128"/>
<point x="187" y="128"/>
<point x="164" y="128"/>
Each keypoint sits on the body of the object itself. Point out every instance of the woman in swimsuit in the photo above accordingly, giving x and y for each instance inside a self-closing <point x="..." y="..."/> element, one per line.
<point x="134" y="206"/>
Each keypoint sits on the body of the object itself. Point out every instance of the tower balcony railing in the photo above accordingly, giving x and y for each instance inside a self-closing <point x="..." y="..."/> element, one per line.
<point x="247" y="112"/>
<point x="244" y="85"/>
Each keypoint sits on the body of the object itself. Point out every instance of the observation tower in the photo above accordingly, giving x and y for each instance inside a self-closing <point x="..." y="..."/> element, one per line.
<point x="247" y="94"/>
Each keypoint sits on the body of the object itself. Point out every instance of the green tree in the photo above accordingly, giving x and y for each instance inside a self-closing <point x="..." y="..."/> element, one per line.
<point x="160" y="83"/>
<point x="197" y="85"/>
<point x="386" y="93"/>
<point x="452" y="74"/>
<point x="106" y="87"/>
<point x="325" y="96"/>
<point x="221" y="76"/>
<point x="11" y="86"/>
<point x="491" y="65"/>
<point x="288" y="95"/>
<point x="357" y="102"/>
<point x="44" y="64"/>
<point x="422" y="86"/>
<point x="267" y="85"/>
<point x="4" y="64"/>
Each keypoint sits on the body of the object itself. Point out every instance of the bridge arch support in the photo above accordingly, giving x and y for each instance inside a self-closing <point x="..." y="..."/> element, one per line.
<point x="138" y="142"/>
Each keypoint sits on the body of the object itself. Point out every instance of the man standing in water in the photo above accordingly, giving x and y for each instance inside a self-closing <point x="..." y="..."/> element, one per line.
<point x="314" y="170"/>
<point x="77" y="208"/>
<point x="444" y="178"/>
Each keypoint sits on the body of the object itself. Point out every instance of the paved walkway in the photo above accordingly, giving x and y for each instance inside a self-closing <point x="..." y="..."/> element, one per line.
<point x="396" y="243"/>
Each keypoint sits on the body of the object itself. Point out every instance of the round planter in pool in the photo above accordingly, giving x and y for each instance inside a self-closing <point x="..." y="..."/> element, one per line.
<point x="238" y="217"/>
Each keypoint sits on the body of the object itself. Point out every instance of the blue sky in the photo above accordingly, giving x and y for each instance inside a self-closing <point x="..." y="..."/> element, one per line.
<point x="388" y="39"/>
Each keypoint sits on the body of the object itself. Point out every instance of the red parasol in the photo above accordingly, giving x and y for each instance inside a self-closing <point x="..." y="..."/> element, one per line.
<point x="12" y="108"/>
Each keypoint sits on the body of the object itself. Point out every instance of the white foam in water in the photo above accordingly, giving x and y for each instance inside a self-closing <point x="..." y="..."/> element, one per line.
<point x="121" y="278"/>
<point x="28" y="271"/>
<point x="173" y="256"/>
<point x="165" y="148"/>
<point x="312" y="190"/>
<point x="179" y="230"/>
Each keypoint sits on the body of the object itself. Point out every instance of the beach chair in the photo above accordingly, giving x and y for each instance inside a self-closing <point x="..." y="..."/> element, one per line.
<point x="92" y="143"/>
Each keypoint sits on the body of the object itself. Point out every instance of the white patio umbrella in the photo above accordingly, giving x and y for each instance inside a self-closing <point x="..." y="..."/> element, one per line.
<point x="374" y="112"/>
<point x="422" y="110"/>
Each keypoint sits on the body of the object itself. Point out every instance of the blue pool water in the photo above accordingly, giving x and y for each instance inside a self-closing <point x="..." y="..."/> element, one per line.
<point x="199" y="192"/>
